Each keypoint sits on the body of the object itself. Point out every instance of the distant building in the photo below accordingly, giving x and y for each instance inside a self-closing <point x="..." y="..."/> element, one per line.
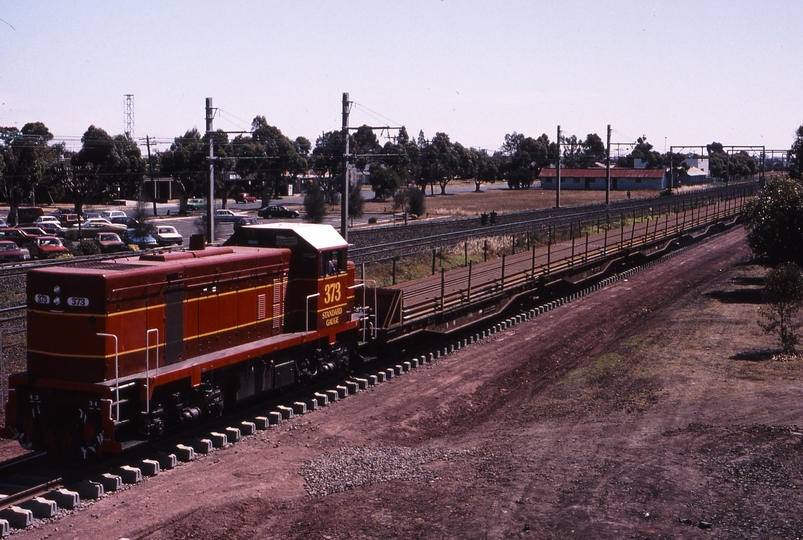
<point x="621" y="179"/>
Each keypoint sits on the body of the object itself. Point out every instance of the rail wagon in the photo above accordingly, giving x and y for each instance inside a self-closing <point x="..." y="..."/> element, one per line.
<point x="121" y="351"/>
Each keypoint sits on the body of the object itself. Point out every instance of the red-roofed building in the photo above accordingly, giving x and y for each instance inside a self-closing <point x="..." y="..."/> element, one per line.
<point x="621" y="179"/>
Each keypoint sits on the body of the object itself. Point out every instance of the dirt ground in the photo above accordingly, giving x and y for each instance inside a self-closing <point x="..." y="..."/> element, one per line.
<point x="461" y="200"/>
<point x="650" y="409"/>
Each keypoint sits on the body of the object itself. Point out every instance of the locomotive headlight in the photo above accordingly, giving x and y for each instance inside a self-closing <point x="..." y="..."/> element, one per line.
<point x="56" y="289"/>
<point x="56" y="300"/>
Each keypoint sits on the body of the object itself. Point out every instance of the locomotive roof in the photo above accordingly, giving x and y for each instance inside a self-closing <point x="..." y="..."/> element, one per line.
<point x="320" y="237"/>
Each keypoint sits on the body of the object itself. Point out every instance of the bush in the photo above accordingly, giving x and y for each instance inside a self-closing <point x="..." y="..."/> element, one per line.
<point x="774" y="221"/>
<point x="783" y="292"/>
<point x="315" y="204"/>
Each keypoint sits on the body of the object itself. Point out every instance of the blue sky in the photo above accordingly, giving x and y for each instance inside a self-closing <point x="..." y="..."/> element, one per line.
<point x="682" y="73"/>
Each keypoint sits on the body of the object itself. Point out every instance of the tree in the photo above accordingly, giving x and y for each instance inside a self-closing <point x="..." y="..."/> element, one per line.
<point x="315" y="204"/>
<point x="384" y="181"/>
<point x="643" y="150"/>
<point x="356" y="202"/>
<point x="774" y="221"/>
<point x="783" y="292"/>
<point x="26" y="160"/>
<point x="440" y="164"/>
<point x="104" y="165"/>
<point x="187" y="164"/>
<point x="281" y="155"/>
<point x="524" y="157"/>
<point x="796" y="155"/>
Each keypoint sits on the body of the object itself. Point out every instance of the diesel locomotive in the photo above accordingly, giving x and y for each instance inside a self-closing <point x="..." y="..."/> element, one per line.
<point x="124" y="350"/>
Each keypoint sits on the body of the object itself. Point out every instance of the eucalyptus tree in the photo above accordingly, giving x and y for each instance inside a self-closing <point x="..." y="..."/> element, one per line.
<point x="103" y="167"/>
<point x="25" y="160"/>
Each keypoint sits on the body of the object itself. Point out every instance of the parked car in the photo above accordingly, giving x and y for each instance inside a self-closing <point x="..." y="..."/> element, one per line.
<point x="277" y="212"/>
<point x="47" y="247"/>
<point x="246" y="221"/>
<point x="196" y="204"/>
<point x="129" y="222"/>
<point x="31" y="230"/>
<point x="28" y="214"/>
<point x="52" y="228"/>
<point x="11" y="252"/>
<point x="245" y="198"/>
<point x="167" y="235"/>
<point x="109" y="242"/>
<point x="3" y="223"/>
<point x="46" y="219"/>
<point x="91" y="215"/>
<point x="91" y="227"/>
<point x="138" y="238"/>
<point x="224" y="215"/>
<point x="67" y="218"/>
<point x="15" y="235"/>
<point x="109" y="214"/>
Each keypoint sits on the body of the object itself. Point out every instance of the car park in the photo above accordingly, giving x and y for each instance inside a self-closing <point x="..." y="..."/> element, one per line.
<point x="225" y="215"/>
<point x="109" y="242"/>
<point x="47" y="247"/>
<point x="167" y="235"/>
<point x="244" y="198"/>
<point x="11" y="252"/>
<point x="277" y="212"/>
<point x="141" y="239"/>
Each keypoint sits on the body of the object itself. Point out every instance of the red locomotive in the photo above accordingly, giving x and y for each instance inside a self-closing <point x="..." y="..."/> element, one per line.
<point x="123" y="350"/>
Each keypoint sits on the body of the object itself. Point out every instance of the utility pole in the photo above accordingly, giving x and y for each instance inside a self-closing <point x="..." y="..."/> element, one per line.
<point x="557" y="187"/>
<point x="210" y="201"/>
<point x="344" y="198"/>
<point x="608" y="169"/>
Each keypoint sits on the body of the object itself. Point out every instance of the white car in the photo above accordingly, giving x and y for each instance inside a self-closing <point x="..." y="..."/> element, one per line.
<point x="224" y="215"/>
<point x="167" y="235"/>
<point x="109" y="214"/>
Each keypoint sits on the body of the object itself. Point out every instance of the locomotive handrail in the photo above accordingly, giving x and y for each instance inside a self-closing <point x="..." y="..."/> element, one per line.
<point x="148" y="366"/>
<point x="116" y="370"/>
<point x="364" y="287"/>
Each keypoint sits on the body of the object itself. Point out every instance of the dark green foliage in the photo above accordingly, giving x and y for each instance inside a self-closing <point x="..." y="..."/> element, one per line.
<point x="315" y="204"/>
<point x="774" y="221"/>
<point x="796" y="155"/>
<point x="411" y="201"/>
<point x="416" y="202"/>
<point x="356" y="202"/>
<point x="783" y="292"/>
<point x="384" y="181"/>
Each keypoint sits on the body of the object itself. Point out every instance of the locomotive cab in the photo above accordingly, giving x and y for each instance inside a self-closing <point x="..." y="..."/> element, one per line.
<point x="320" y="295"/>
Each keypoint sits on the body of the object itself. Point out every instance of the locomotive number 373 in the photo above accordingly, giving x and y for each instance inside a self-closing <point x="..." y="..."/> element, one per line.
<point x="331" y="293"/>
